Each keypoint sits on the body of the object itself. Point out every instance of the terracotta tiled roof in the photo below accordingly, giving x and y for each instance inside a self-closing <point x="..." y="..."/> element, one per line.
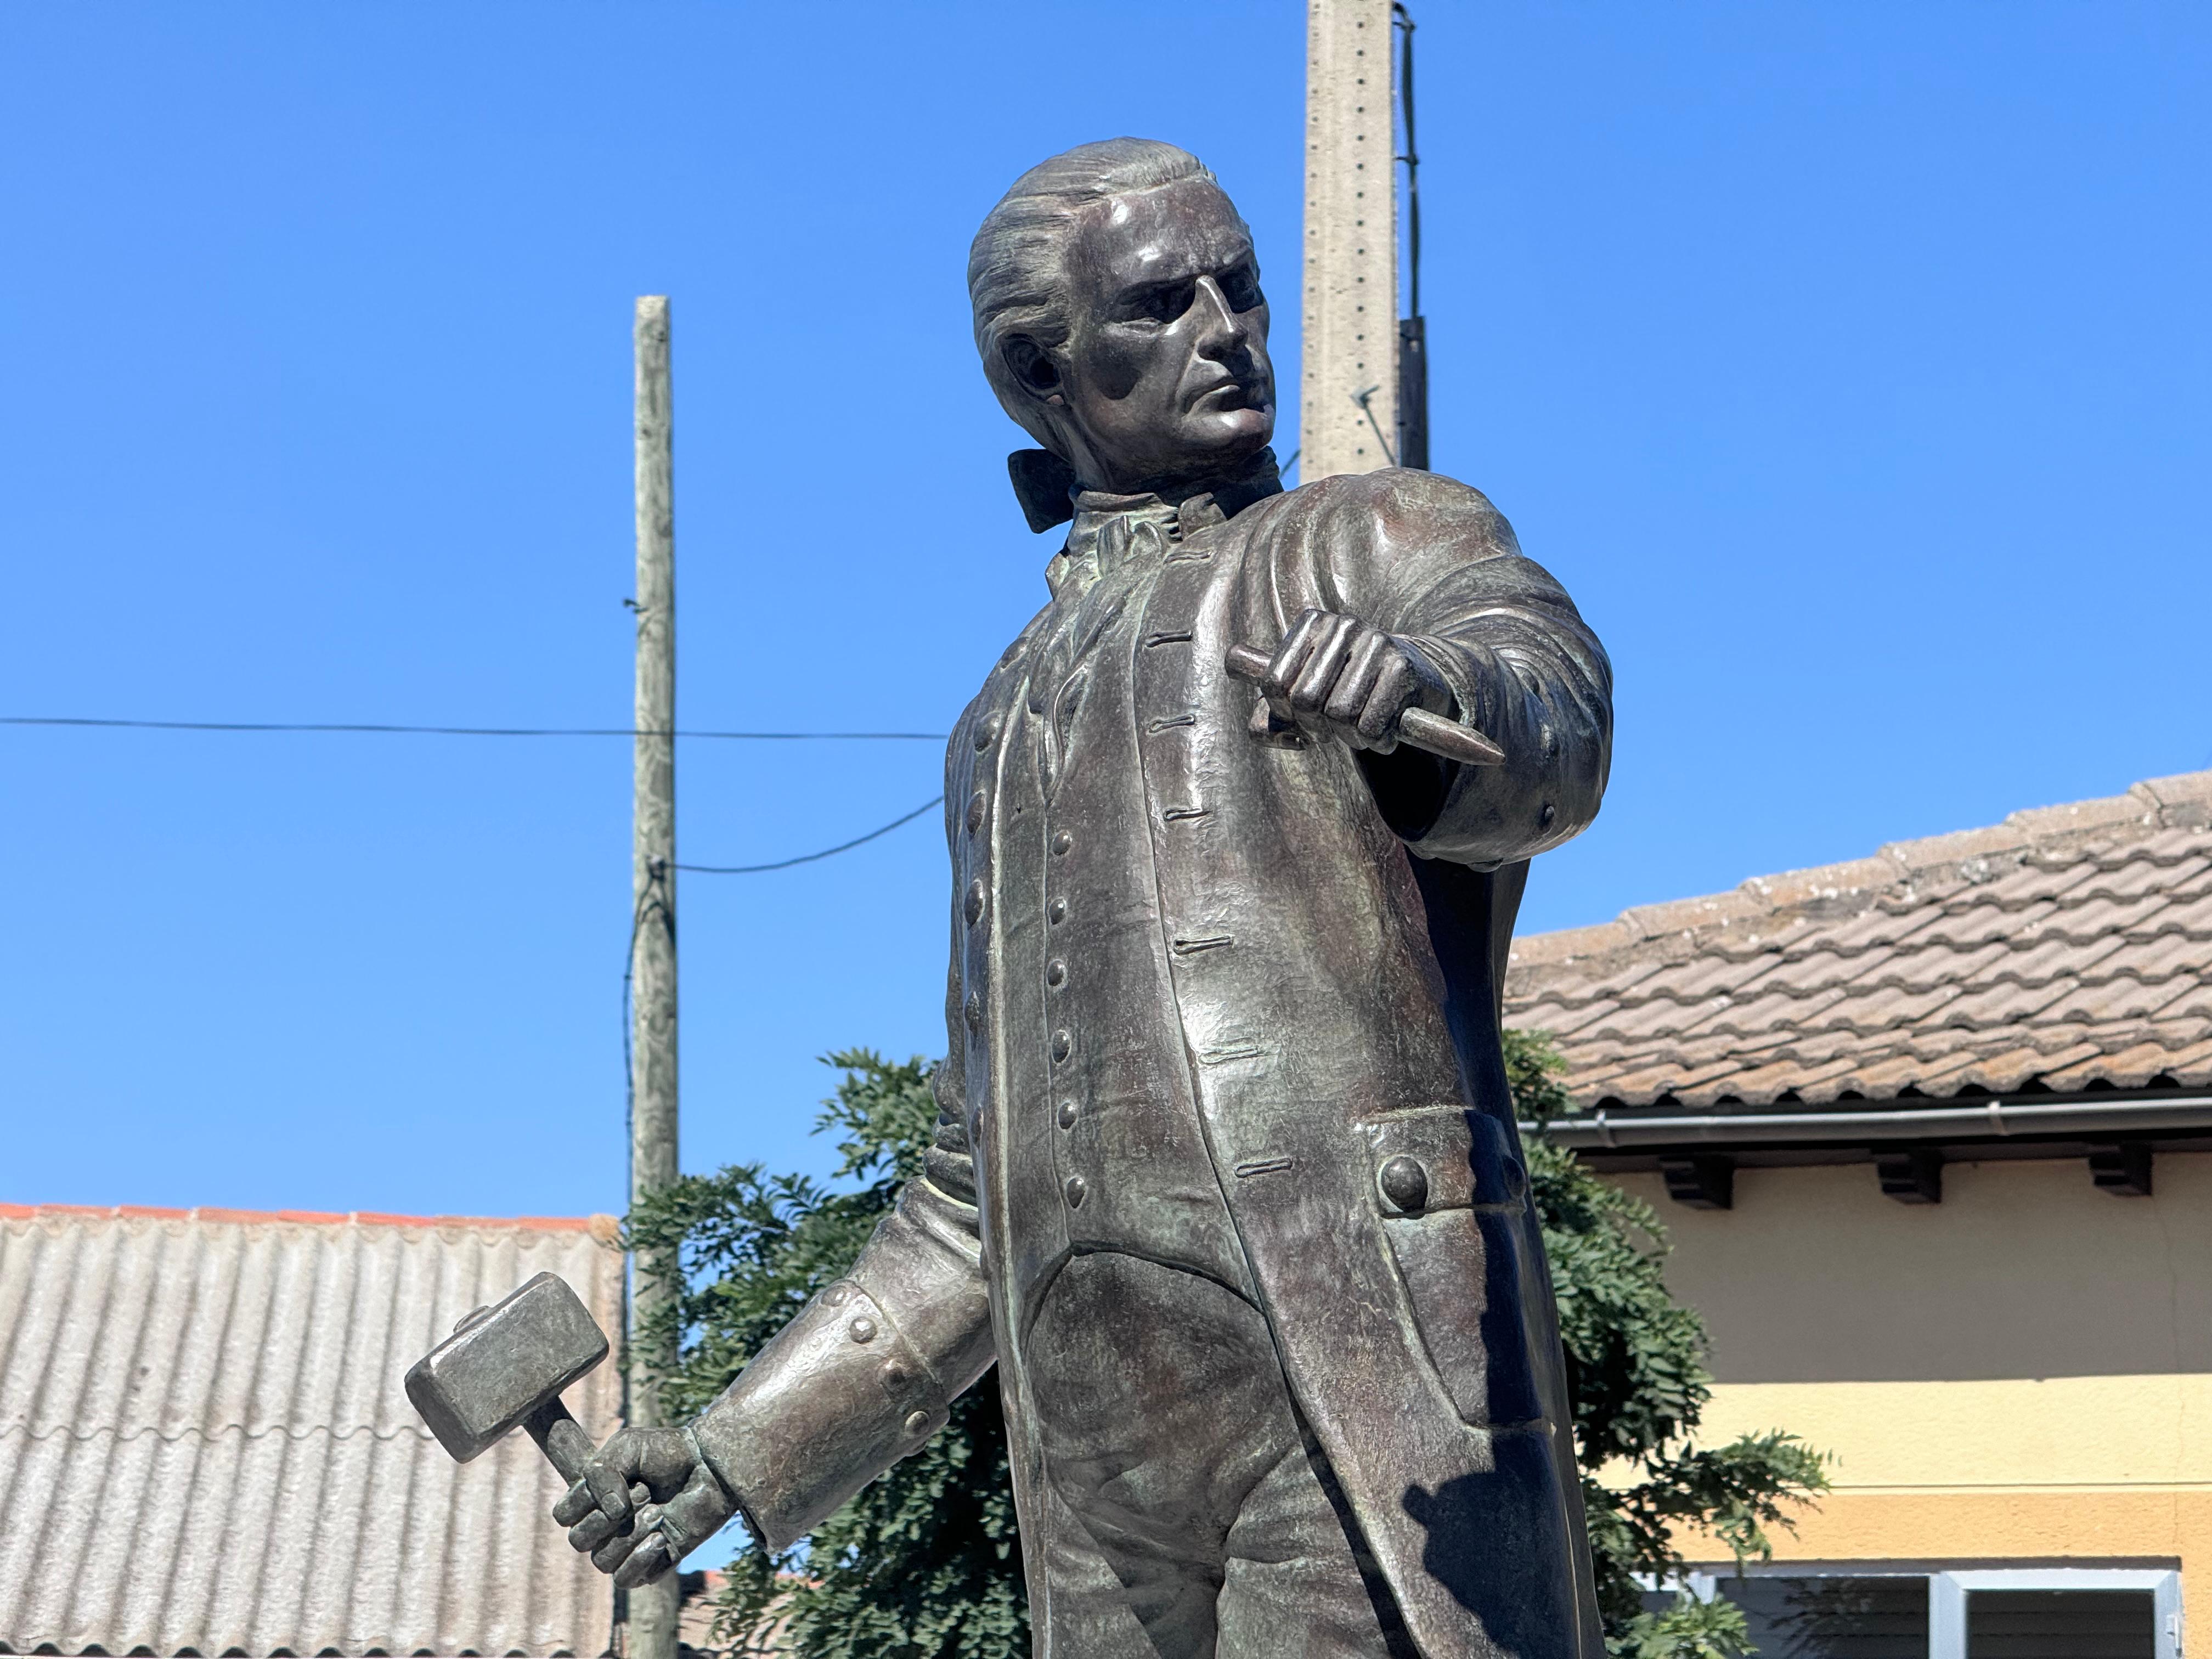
<point x="205" y="1447"/>
<point x="2069" y="948"/>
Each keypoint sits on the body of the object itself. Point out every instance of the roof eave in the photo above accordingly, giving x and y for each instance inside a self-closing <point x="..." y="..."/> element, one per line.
<point x="2108" y="1116"/>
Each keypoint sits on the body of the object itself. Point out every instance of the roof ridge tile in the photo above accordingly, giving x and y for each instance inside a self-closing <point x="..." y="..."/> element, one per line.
<point x="1962" y="851"/>
<point x="1570" y="944"/>
<point x="1690" y="915"/>
<point x="2183" y="801"/>
<point x="2072" y="823"/>
<point x="1822" y="884"/>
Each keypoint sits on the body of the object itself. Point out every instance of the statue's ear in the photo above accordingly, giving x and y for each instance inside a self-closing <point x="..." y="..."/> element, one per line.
<point x="1042" y="484"/>
<point x="1033" y="368"/>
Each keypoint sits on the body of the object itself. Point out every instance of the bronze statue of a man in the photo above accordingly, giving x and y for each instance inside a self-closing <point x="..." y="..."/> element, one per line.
<point x="1226" y="1179"/>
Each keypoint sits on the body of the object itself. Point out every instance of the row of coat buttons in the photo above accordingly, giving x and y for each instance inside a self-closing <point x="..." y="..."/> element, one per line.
<point x="1063" y="1043"/>
<point x="1055" y="973"/>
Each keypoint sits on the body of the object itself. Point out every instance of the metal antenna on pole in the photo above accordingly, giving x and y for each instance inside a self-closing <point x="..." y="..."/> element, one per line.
<point x="652" y="1610"/>
<point x="1413" y="328"/>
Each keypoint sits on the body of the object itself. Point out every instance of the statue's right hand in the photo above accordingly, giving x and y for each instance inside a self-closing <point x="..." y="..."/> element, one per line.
<point x="638" y="1544"/>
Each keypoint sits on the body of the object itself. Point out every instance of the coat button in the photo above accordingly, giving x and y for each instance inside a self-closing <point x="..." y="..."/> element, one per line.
<point x="1056" y="912"/>
<point x="986" y="731"/>
<point x="1074" y="1189"/>
<point x="973" y="908"/>
<point x="1062" y="841"/>
<point x="1405" y="1182"/>
<point x="862" y="1329"/>
<point x="894" y="1374"/>
<point x="1068" y="1115"/>
<point x="1055" y="974"/>
<point x="917" y="1423"/>
<point x="1063" y="1045"/>
<point x="977" y="805"/>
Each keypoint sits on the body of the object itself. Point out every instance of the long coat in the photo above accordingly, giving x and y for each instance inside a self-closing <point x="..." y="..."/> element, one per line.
<point x="1318" y="947"/>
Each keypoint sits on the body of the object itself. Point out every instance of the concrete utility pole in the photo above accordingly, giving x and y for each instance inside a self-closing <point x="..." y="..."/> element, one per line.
<point x="652" y="1611"/>
<point x="1348" y="402"/>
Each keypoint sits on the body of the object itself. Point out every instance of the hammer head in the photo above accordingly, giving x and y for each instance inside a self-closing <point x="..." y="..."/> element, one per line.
<point x="503" y="1362"/>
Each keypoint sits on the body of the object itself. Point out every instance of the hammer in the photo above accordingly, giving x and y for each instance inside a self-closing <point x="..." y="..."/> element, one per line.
<point x="506" y="1365"/>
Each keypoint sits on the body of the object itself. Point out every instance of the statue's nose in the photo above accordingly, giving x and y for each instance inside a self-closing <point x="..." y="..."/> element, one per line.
<point x="1220" y="325"/>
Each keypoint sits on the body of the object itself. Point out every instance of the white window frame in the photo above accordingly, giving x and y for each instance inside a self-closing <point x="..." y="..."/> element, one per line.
<point x="1947" y="1593"/>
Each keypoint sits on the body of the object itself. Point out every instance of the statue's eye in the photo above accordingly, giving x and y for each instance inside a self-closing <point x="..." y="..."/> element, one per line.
<point x="1241" y="287"/>
<point x="1167" y="302"/>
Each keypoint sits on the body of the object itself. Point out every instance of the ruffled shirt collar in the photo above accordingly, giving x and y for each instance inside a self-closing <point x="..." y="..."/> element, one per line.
<point x="1109" y="528"/>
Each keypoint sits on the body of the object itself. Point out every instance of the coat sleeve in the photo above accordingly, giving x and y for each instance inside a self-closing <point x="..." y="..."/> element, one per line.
<point x="1431" y="561"/>
<point x="868" y="1370"/>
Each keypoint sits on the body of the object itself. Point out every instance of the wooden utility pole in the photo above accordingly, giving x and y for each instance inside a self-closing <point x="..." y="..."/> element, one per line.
<point x="652" y="1611"/>
<point x="1348" y="402"/>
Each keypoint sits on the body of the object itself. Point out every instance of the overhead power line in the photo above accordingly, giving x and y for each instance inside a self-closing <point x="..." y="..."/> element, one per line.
<point x="469" y="731"/>
<point x="809" y="858"/>
<point x="545" y="731"/>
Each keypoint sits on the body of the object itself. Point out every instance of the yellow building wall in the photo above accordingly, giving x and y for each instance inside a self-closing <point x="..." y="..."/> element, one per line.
<point x="2021" y="1372"/>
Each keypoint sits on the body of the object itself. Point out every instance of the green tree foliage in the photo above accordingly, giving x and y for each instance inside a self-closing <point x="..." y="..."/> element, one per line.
<point x="925" y="1564"/>
<point x="925" y="1561"/>
<point x="1635" y="1368"/>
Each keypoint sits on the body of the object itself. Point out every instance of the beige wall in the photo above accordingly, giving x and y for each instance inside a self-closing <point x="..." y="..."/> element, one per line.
<point x="2024" y="1370"/>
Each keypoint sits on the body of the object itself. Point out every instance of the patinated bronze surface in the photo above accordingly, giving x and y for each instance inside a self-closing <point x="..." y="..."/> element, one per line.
<point x="1226" y="1181"/>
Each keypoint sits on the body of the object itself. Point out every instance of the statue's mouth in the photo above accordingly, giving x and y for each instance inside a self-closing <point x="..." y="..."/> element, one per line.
<point x="1228" y="395"/>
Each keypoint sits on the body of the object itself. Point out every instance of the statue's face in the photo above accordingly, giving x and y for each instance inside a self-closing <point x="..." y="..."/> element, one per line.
<point x="1164" y="375"/>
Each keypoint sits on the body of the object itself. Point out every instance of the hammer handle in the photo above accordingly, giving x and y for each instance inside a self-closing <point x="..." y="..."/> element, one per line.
<point x="567" y="1447"/>
<point x="1417" y="727"/>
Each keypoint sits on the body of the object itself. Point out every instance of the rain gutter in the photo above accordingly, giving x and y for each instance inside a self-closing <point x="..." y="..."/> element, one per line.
<point x="1989" y="1117"/>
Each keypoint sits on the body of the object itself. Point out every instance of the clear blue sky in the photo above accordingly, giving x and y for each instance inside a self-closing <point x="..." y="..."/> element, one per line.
<point x="1848" y="363"/>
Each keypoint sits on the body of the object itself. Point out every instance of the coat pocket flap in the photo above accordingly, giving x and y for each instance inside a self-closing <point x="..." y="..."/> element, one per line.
<point x="1441" y="1157"/>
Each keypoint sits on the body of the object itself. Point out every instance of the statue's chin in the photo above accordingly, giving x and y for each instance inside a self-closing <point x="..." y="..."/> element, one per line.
<point x="1206" y="447"/>
<point x="1225" y="441"/>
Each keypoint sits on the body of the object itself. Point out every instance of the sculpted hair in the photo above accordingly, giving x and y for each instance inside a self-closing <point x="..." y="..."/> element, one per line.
<point x="1017" y="266"/>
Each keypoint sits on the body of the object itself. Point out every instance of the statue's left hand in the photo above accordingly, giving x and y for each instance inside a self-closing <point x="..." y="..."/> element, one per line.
<point x="1336" y="676"/>
<point x="689" y="1504"/>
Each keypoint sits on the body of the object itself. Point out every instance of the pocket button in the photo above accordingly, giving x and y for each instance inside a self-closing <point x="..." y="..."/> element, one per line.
<point x="1405" y="1182"/>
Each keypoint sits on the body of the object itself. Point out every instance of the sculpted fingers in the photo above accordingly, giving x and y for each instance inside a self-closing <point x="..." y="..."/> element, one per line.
<point x="645" y="1563"/>
<point x="1291" y="655"/>
<point x="615" y="1554"/>
<point x="695" y="1514"/>
<point x="608" y="1476"/>
<point x="611" y="1513"/>
<point x="594" y="1530"/>
<point x="1339" y="677"/>
<point x="1317" y="675"/>
<point x="576" y="1504"/>
<point x="598" y="1509"/>
<point x="1395" y="687"/>
<point x="1366" y="664"/>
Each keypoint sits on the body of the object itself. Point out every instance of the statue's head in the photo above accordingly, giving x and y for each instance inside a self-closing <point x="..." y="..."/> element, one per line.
<point x="1119" y="313"/>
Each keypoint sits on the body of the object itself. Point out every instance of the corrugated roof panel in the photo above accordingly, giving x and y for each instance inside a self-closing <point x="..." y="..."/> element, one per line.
<point x="203" y="1412"/>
